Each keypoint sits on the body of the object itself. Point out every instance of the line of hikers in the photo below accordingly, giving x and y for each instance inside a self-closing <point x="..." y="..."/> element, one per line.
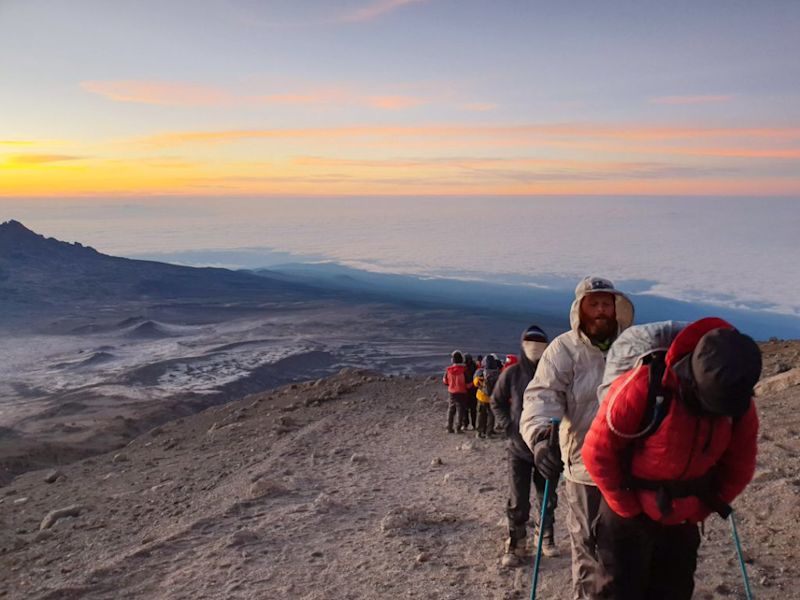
<point x="470" y="383"/>
<point x="653" y="426"/>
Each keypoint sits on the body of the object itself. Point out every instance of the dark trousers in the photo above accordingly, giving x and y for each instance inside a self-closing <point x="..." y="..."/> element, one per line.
<point x="472" y="410"/>
<point x="456" y="409"/>
<point x="485" y="418"/>
<point x="645" y="560"/>
<point x="520" y="474"/>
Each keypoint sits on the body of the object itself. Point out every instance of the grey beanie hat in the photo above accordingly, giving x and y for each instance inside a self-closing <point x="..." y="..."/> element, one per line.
<point x="726" y="365"/>
<point x="534" y="333"/>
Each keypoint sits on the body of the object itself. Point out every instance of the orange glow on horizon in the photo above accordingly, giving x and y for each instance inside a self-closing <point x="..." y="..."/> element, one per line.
<point x="568" y="159"/>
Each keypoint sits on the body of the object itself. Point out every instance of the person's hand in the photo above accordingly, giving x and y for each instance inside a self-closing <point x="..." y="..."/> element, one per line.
<point x="547" y="459"/>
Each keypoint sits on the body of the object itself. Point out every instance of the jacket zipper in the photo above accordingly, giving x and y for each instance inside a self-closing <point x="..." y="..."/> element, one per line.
<point x="710" y="435"/>
<point x="691" y="450"/>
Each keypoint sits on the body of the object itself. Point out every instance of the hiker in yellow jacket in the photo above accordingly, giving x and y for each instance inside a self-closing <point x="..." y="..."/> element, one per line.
<point x="484" y="381"/>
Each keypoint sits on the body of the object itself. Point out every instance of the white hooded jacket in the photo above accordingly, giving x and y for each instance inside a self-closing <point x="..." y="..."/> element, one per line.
<point x="566" y="381"/>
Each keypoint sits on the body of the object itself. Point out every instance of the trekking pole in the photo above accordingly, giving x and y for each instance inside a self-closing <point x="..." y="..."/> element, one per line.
<point x="736" y="541"/>
<point x="545" y="500"/>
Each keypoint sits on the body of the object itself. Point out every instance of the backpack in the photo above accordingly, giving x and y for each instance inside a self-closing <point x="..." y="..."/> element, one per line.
<point x="642" y="345"/>
<point x="647" y="345"/>
<point x="456" y="380"/>
<point x="491" y="373"/>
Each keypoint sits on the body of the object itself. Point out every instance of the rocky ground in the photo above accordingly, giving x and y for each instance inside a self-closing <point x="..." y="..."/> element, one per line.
<point x="346" y="487"/>
<point x="87" y="385"/>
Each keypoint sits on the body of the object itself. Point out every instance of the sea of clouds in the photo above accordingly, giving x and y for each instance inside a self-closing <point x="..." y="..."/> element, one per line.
<point x="732" y="252"/>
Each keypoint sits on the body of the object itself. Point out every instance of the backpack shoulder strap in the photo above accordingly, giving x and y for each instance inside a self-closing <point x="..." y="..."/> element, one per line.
<point x="655" y="411"/>
<point x="657" y="397"/>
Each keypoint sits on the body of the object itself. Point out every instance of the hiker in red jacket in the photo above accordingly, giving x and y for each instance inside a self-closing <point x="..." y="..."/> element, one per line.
<point x="511" y="359"/>
<point x="458" y="384"/>
<point x="657" y="487"/>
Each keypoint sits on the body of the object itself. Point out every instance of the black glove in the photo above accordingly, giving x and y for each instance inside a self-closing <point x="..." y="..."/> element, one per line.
<point x="547" y="459"/>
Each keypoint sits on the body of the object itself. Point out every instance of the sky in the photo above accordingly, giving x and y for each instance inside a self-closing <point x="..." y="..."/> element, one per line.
<point x="398" y="97"/>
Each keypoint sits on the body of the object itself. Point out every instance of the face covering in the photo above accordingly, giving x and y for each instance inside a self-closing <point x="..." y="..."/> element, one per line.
<point x="533" y="350"/>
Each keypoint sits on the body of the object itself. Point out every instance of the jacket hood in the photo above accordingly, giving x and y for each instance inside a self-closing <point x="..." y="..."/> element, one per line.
<point x="593" y="285"/>
<point x="688" y="338"/>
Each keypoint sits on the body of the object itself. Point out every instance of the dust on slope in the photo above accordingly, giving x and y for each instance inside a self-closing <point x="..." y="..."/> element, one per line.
<point x="333" y="489"/>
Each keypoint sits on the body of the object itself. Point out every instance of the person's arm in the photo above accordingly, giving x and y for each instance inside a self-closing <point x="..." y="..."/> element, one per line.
<point x="545" y="397"/>
<point x="477" y="380"/>
<point x="501" y="401"/>
<point x="738" y="463"/>
<point x="606" y="451"/>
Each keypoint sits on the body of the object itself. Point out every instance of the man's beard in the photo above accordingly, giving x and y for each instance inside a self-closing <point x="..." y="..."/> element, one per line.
<point x="601" y="328"/>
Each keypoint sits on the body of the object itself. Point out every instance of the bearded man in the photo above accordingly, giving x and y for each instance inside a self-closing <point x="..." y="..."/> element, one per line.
<point x="565" y="389"/>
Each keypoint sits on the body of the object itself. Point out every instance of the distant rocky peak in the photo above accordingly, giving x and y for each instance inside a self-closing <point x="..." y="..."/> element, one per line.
<point x="16" y="238"/>
<point x="13" y="227"/>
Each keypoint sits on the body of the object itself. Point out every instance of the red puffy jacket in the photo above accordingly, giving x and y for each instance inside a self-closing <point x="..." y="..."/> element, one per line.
<point x="685" y="446"/>
<point x="456" y="379"/>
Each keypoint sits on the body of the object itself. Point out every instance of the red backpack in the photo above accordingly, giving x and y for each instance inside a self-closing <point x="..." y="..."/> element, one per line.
<point x="456" y="380"/>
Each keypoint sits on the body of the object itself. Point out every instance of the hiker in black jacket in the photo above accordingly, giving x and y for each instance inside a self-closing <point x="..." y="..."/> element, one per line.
<point x="471" y="414"/>
<point x="507" y="407"/>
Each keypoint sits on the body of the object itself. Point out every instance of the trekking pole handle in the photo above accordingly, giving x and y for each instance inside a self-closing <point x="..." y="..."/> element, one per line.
<point x="554" y="423"/>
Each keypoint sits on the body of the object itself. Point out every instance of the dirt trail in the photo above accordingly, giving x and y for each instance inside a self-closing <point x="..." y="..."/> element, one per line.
<point x="344" y="488"/>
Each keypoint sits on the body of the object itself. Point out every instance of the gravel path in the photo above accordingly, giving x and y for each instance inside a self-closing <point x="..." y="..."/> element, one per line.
<point x="344" y="488"/>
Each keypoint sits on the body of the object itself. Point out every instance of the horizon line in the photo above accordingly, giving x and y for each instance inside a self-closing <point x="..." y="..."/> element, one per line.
<point x="266" y="196"/>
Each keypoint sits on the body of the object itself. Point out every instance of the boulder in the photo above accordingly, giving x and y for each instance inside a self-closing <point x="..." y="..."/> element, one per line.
<point x="53" y="516"/>
<point x="779" y="382"/>
<point x="52" y="476"/>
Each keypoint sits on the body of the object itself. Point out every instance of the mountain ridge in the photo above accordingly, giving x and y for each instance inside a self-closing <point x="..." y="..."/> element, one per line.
<point x="47" y="277"/>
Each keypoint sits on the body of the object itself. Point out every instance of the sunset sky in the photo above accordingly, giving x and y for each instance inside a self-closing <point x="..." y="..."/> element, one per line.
<point x="384" y="97"/>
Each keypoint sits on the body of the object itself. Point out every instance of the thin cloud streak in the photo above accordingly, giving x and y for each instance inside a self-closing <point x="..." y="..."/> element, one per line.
<point x="514" y="169"/>
<point x="395" y="102"/>
<point x="375" y="10"/>
<point x="677" y="100"/>
<point x="40" y="159"/>
<point x="565" y="136"/>
<point x="161" y="93"/>
<point x="182" y="94"/>
<point x="479" y="106"/>
<point x="366" y="13"/>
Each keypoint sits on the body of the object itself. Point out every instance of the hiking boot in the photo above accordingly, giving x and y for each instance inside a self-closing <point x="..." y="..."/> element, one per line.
<point x="480" y="435"/>
<point x="510" y="560"/>
<point x="459" y="430"/>
<point x="549" y="547"/>
<point x="513" y="553"/>
<point x="450" y="430"/>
